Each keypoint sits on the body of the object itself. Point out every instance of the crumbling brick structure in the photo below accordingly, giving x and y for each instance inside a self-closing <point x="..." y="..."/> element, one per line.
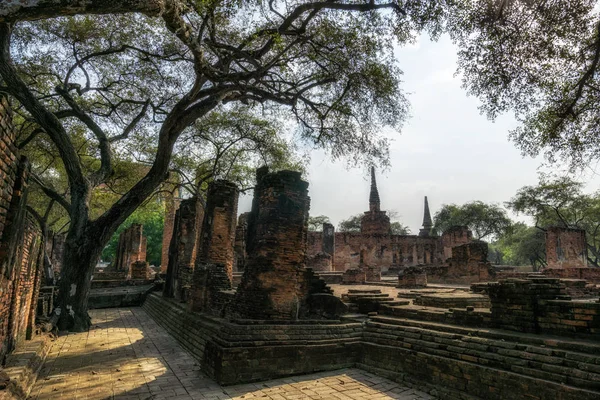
<point x="131" y="248"/>
<point x="274" y="285"/>
<point x="239" y="247"/>
<point x="20" y="243"/>
<point x="171" y="199"/>
<point x="214" y="264"/>
<point x="412" y="277"/>
<point x="183" y="248"/>
<point x="565" y="248"/>
<point x="455" y="236"/>
<point x="140" y="270"/>
<point x="469" y="263"/>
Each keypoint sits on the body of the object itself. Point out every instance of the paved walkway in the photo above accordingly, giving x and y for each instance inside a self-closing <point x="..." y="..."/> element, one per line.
<point x="126" y="355"/>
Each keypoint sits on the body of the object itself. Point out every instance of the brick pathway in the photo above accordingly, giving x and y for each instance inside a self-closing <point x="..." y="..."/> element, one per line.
<point x="126" y="355"/>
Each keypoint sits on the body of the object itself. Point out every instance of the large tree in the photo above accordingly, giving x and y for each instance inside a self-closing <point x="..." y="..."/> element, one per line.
<point x="562" y="202"/>
<point x="486" y="221"/>
<point x="126" y="73"/>
<point x="541" y="60"/>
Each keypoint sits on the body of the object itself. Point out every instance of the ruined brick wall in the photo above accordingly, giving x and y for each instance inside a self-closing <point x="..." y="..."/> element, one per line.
<point x="384" y="251"/>
<point x="541" y="305"/>
<point x="412" y="277"/>
<point x="130" y="248"/>
<point x="214" y="264"/>
<point x="239" y="247"/>
<point x="140" y="270"/>
<point x="565" y="248"/>
<point x="455" y="236"/>
<point x="184" y="247"/>
<point x="321" y="262"/>
<point x="591" y="275"/>
<point x="171" y="200"/>
<point x="468" y="264"/>
<point x="20" y="242"/>
<point x="273" y="284"/>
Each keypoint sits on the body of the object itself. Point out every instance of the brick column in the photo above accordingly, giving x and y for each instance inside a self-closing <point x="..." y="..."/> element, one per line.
<point x="183" y="248"/>
<point x="171" y="204"/>
<point x="214" y="265"/>
<point x="566" y="248"/>
<point x="273" y="286"/>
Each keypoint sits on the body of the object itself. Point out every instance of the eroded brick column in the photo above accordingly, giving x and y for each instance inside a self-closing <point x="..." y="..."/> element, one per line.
<point x="131" y="248"/>
<point x="239" y="246"/>
<point x="273" y="286"/>
<point x="566" y="248"/>
<point x="171" y="200"/>
<point x="183" y="249"/>
<point x="214" y="265"/>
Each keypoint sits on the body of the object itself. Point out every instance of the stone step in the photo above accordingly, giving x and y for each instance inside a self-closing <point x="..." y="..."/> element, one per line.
<point x="360" y="291"/>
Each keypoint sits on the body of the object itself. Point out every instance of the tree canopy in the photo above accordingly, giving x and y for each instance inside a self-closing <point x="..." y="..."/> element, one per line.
<point x="541" y="60"/>
<point x="523" y="245"/>
<point x="486" y="221"/>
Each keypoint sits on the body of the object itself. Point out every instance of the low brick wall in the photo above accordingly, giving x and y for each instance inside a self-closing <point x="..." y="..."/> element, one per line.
<point x="462" y="363"/>
<point x="449" y="361"/>
<point x="249" y="351"/>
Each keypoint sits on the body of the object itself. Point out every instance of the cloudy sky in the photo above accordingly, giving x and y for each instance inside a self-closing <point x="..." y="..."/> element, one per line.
<point x="447" y="150"/>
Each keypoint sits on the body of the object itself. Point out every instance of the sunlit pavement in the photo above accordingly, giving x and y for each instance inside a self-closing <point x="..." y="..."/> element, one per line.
<point x="126" y="355"/>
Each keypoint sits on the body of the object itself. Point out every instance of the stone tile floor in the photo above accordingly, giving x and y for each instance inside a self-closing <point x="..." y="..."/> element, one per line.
<point x="126" y="355"/>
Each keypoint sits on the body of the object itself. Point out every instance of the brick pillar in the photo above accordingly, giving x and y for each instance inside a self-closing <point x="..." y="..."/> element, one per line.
<point x="171" y="204"/>
<point x="214" y="265"/>
<point x="566" y="248"/>
<point x="328" y="241"/>
<point x="239" y="247"/>
<point x="131" y="248"/>
<point x="185" y="240"/>
<point x="273" y="286"/>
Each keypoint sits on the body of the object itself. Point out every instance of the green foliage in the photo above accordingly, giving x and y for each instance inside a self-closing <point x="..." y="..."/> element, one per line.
<point x="538" y="59"/>
<point x="315" y="224"/>
<point x="397" y="228"/>
<point x="352" y="224"/>
<point x="561" y="202"/>
<point x="523" y="245"/>
<point x="151" y="216"/>
<point x="484" y="220"/>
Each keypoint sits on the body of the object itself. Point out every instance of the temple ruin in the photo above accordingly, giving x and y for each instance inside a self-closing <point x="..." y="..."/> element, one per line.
<point x="250" y="298"/>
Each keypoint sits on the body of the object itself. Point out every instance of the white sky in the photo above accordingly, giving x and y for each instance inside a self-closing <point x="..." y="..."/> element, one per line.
<point x="447" y="151"/>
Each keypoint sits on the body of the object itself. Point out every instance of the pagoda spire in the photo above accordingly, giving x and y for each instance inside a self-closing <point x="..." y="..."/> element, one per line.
<point x="427" y="223"/>
<point x="374" y="202"/>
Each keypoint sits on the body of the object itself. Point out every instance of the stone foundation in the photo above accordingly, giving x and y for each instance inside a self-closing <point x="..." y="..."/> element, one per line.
<point x="451" y="362"/>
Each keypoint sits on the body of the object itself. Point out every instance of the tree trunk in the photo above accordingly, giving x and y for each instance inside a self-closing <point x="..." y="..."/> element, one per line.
<point x="80" y="258"/>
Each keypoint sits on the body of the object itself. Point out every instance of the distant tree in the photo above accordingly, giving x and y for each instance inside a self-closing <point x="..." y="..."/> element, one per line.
<point x="561" y="202"/>
<point x="398" y="229"/>
<point x="315" y="224"/>
<point x="523" y="245"/>
<point x="351" y="224"/>
<point x="486" y="221"/>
